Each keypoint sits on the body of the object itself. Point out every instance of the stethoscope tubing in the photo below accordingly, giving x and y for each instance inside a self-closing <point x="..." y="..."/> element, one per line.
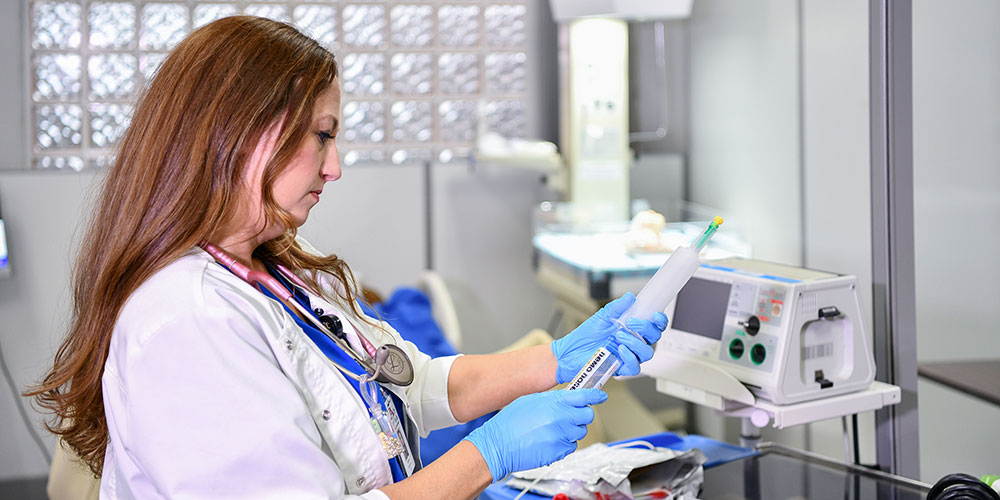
<point x="258" y="278"/>
<point x="294" y="278"/>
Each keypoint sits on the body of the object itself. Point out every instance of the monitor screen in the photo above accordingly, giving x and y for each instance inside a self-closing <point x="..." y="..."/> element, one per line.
<point x="3" y="247"/>
<point x="701" y="308"/>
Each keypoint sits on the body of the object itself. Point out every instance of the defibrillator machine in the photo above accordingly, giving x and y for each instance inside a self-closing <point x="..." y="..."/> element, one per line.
<point x="787" y="334"/>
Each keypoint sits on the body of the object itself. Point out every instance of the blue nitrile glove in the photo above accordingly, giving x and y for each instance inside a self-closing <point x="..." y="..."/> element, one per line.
<point x="575" y="349"/>
<point x="535" y="430"/>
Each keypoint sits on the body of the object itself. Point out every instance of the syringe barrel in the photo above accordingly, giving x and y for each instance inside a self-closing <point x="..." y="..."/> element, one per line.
<point x="661" y="289"/>
<point x="655" y="296"/>
<point x="601" y="367"/>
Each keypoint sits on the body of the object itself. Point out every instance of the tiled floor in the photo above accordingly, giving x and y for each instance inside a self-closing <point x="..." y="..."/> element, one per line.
<point x="23" y="489"/>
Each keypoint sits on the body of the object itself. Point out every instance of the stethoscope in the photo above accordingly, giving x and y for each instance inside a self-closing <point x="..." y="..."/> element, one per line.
<point x="386" y="363"/>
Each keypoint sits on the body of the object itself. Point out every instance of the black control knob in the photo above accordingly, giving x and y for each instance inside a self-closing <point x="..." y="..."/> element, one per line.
<point x="758" y="354"/>
<point x="736" y="349"/>
<point x="751" y="325"/>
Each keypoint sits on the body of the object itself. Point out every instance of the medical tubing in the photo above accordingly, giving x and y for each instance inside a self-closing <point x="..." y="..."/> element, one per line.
<point x="654" y="297"/>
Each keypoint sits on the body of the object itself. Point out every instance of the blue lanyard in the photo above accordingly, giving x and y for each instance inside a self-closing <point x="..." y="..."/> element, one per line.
<point x="333" y="351"/>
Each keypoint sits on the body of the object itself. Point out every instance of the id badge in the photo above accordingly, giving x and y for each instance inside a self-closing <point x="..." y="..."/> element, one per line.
<point x="409" y="464"/>
<point x="392" y="444"/>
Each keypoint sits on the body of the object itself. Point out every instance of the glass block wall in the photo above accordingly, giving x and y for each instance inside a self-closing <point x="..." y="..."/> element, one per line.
<point x="421" y="79"/>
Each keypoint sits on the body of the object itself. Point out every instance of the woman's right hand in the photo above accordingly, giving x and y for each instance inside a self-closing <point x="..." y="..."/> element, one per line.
<point x="535" y="430"/>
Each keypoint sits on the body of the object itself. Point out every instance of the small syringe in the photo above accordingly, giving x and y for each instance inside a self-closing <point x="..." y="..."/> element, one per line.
<point x="655" y="295"/>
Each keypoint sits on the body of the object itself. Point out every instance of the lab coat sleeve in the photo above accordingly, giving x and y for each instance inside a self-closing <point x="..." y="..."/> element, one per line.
<point x="211" y="415"/>
<point x="427" y="396"/>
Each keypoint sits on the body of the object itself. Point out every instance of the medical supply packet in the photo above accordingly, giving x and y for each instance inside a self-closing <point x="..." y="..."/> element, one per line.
<point x="617" y="472"/>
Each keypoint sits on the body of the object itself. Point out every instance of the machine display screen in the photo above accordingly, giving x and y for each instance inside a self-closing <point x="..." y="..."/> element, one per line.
<point x="3" y="247"/>
<point x="701" y="308"/>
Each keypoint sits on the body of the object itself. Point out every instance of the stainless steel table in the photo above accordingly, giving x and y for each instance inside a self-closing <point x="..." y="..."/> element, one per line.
<point x="779" y="473"/>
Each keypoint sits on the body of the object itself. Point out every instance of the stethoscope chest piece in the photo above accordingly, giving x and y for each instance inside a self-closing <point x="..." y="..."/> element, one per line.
<point x="396" y="366"/>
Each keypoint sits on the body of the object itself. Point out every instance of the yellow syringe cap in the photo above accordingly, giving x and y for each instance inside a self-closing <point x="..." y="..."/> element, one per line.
<point x="718" y="221"/>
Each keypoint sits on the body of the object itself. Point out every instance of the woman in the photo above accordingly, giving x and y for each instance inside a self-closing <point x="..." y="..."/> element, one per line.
<point x="179" y="378"/>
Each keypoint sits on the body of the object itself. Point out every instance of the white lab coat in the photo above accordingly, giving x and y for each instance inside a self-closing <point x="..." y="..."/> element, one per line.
<point x="212" y="391"/>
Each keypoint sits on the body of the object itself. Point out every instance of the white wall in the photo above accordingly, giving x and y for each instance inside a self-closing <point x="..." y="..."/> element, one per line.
<point x="41" y="210"/>
<point x="482" y="248"/>
<point x="12" y="81"/>
<point x="956" y="135"/>
<point x="744" y="149"/>
<point x="373" y="217"/>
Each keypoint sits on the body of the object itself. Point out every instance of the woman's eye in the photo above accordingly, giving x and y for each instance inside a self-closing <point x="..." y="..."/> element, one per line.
<point x="323" y="137"/>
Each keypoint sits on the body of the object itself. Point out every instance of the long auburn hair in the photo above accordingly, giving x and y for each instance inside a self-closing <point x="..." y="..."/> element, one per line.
<point x="175" y="181"/>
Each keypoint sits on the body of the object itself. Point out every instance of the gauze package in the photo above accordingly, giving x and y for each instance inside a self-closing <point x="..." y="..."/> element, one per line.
<point x="618" y="472"/>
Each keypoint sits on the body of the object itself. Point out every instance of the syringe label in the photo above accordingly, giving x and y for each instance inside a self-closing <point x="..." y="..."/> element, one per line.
<point x="588" y="370"/>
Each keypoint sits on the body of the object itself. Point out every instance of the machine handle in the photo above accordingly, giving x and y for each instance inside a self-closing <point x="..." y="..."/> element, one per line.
<point x="829" y="312"/>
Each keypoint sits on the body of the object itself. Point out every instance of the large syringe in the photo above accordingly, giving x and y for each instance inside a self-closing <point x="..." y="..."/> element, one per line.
<point x="655" y="296"/>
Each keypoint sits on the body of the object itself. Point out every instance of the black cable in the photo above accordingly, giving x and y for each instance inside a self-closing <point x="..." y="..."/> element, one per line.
<point x="20" y="409"/>
<point x="854" y="425"/>
<point x="961" y="487"/>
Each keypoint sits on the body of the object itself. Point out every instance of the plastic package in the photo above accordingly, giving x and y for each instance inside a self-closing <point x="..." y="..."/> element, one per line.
<point x="617" y="473"/>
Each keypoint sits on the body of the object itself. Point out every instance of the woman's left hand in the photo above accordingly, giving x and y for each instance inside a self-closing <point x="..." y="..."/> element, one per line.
<point x="576" y="348"/>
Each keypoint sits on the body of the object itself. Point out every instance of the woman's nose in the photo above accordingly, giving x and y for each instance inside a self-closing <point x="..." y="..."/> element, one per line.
<point x="331" y="165"/>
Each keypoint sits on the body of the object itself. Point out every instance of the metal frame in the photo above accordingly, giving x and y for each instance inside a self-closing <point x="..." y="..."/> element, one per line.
<point x="894" y="302"/>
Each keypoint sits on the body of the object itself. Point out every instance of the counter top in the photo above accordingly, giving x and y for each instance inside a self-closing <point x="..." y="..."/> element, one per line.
<point x="977" y="378"/>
